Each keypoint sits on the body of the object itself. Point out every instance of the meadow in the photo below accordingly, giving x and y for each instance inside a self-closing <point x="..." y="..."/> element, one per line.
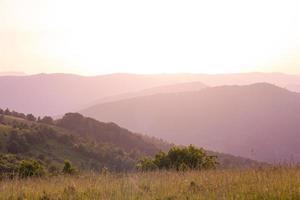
<point x="266" y="183"/>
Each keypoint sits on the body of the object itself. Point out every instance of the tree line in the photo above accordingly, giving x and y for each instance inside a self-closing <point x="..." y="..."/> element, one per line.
<point x="180" y="159"/>
<point x="29" y="117"/>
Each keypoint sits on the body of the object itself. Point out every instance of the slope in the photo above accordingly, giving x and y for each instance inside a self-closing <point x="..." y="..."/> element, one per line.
<point x="259" y="121"/>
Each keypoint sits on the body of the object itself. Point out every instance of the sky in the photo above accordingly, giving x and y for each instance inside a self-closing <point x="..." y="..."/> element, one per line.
<point x="159" y="36"/>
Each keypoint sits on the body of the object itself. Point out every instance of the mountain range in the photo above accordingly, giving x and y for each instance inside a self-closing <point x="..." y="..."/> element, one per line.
<point x="230" y="113"/>
<point x="56" y="94"/>
<point x="258" y="121"/>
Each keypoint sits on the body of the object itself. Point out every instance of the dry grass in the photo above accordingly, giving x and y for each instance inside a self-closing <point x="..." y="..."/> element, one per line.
<point x="271" y="183"/>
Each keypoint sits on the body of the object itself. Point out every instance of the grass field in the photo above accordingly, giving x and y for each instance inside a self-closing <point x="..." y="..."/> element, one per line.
<point x="271" y="183"/>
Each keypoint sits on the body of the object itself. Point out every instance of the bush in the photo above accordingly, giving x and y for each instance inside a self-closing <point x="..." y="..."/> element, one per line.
<point x="68" y="168"/>
<point x="180" y="159"/>
<point x="146" y="164"/>
<point x="31" y="168"/>
<point x="9" y="165"/>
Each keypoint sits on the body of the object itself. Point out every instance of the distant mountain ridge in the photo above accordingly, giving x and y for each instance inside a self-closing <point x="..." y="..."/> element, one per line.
<point x="173" y="88"/>
<point x="55" y="94"/>
<point x="258" y="121"/>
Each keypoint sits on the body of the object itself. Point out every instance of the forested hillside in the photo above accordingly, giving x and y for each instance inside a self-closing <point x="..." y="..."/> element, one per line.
<point x="87" y="143"/>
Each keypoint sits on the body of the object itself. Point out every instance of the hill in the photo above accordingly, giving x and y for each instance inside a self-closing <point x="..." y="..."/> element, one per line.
<point x="55" y="94"/>
<point x="259" y="121"/>
<point x="169" y="88"/>
<point x="87" y="143"/>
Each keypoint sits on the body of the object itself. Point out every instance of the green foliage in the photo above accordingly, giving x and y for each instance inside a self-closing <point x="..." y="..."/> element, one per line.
<point x="9" y="165"/>
<point x="31" y="168"/>
<point x="106" y="133"/>
<point x="46" y="120"/>
<point x="68" y="168"/>
<point x="52" y="144"/>
<point x="146" y="164"/>
<point x="180" y="159"/>
<point x="16" y="143"/>
<point x="87" y="143"/>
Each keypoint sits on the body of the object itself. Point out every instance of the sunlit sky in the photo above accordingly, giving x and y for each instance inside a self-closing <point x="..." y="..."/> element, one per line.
<point x="156" y="36"/>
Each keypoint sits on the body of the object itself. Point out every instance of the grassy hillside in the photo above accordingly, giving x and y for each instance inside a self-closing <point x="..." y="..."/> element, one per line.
<point x="258" y="121"/>
<point x="269" y="183"/>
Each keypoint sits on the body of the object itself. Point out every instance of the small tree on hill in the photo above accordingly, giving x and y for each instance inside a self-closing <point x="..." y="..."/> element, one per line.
<point x="7" y="111"/>
<point x="30" y="117"/>
<point x="68" y="168"/>
<point x="46" y="120"/>
<point x="1" y="119"/>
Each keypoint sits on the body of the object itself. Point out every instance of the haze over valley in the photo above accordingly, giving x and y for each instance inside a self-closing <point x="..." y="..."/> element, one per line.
<point x="239" y="114"/>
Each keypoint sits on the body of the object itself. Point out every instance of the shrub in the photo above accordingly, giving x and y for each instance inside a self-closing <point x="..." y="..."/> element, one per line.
<point x="146" y="164"/>
<point x="180" y="159"/>
<point x="9" y="165"/>
<point x="68" y="168"/>
<point x="31" y="168"/>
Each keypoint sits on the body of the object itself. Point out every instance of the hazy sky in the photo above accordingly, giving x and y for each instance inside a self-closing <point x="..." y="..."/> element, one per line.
<point x="154" y="36"/>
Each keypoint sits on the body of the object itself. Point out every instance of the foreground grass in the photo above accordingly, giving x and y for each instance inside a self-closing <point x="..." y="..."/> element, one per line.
<point x="271" y="183"/>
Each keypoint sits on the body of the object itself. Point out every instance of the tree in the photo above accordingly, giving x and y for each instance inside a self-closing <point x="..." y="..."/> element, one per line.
<point x="7" y="112"/>
<point x="1" y="119"/>
<point x="68" y="168"/>
<point x="180" y="159"/>
<point x="46" y="120"/>
<point x="30" y="117"/>
<point x="16" y="143"/>
<point x="31" y="168"/>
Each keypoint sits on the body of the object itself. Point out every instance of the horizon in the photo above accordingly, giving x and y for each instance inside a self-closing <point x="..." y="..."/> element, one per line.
<point x="19" y="73"/>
